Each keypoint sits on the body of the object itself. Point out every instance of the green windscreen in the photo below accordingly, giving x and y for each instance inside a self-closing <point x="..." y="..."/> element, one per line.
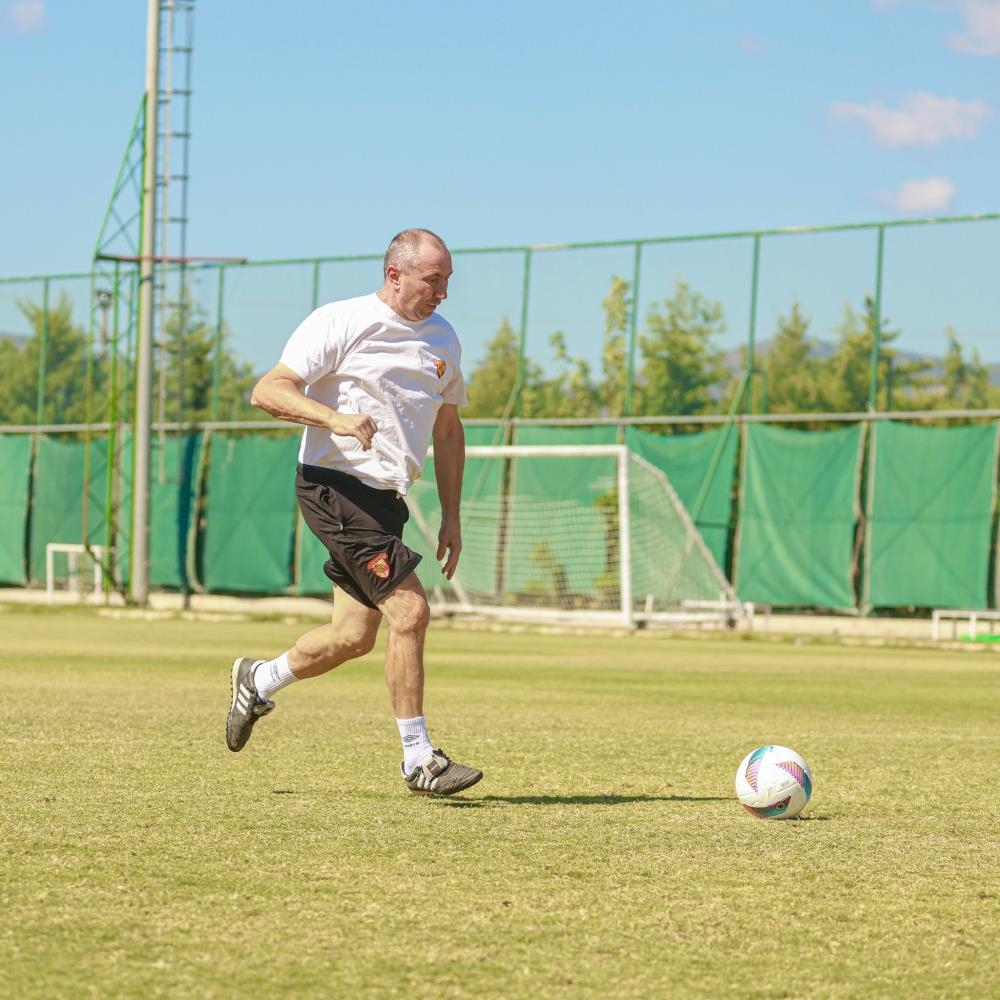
<point x="558" y="546"/>
<point x="57" y="498"/>
<point x="483" y="434"/>
<point x="687" y="460"/>
<point x="310" y="556"/>
<point x="173" y="487"/>
<point x="798" y="511"/>
<point x="477" y="568"/>
<point x="15" y="461"/>
<point x="568" y="436"/>
<point x="249" y="513"/>
<point x="931" y="508"/>
<point x="481" y="489"/>
<point x="559" y="511"/>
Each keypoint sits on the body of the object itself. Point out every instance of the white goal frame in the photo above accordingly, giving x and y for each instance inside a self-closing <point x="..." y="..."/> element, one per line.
<point x="76" y="554"/>
<point x="723" y="611"/>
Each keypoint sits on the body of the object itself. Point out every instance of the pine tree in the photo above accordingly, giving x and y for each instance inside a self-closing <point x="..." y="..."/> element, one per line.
<point x="682" y="371"/>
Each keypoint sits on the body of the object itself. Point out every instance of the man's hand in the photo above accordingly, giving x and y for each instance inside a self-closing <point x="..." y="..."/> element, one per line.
<point x="450" y="542"/>
<point x="356" y="425"/>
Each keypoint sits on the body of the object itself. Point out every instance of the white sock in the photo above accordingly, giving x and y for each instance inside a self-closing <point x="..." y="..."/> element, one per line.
<point x="416" y="743"/>
<point x="271" y="676"/>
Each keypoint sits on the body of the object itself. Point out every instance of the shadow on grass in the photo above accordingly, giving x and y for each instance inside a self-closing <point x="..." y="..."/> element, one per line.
<point x="580" y="800"/>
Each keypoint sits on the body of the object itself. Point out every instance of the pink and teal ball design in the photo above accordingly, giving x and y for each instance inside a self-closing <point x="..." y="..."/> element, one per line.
<point x="799" y="773"/>
<point x="769" y="812"/>
<point x="773" y="782"/>
<point x="753" y="765"/>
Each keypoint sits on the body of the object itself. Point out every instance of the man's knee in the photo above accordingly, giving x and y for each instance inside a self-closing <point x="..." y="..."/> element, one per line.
<point x="357" y="639"/>
<point x="408" y="611"/>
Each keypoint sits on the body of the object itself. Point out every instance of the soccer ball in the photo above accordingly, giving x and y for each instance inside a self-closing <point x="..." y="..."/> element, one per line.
<point x="773" y="783"/>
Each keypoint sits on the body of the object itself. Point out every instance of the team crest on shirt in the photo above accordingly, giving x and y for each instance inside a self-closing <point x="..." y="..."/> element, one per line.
<point x="379" y="566"/>
<point x="441" y="366"/>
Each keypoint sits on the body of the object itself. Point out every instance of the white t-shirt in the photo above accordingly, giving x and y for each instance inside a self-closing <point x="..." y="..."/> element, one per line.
<point x="359" y="356"/>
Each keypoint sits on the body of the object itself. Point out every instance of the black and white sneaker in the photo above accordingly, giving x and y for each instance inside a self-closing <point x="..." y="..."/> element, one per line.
<point x="247" y="706"/>
<point x="439" y="775"/>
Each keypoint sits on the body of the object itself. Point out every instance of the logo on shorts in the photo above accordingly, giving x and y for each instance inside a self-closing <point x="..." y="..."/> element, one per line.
<point x="441" y="366"/>
<point x="379" y="566"/>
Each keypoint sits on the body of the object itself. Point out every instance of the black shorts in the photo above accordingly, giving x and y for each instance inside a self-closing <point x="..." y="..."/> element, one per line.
<point x="362" y="529"/>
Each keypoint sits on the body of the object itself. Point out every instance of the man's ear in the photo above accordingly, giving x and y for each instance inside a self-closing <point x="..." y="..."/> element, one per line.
<point x="392" y="273"/>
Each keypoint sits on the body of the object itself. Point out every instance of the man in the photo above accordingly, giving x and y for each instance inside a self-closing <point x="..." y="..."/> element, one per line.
<point x="372" y="379"/>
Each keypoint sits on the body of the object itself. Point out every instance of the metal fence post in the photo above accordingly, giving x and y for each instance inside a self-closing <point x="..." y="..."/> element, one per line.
<point x="522" y="339"/>
<point x="752" y="336"/>
<point x="633" y="328"/>
<point x="876" y="324"/>
<point x="217" y="359"/>
<point x="43" y="347"/>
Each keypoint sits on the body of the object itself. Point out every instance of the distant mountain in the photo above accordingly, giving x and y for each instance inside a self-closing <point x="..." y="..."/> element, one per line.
<point x="13" y="338"/>
<point x="824" y="349"/>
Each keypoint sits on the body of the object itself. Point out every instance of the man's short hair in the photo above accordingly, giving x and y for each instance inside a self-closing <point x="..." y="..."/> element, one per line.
<point x="405" y="246"/>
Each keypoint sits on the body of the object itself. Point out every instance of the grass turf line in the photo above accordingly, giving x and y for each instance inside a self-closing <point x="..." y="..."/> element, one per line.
<point x="603" y="855"/>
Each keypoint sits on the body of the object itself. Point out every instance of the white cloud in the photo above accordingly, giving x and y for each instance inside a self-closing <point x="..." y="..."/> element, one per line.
<point x="928" y="195"/>
<point x="28" y="16"/>
<point x="982" y="28"/>
<point x="923" y="120"/>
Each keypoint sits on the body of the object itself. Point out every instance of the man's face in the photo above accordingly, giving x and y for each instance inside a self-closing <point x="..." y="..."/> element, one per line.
<point x="424" y="286"/>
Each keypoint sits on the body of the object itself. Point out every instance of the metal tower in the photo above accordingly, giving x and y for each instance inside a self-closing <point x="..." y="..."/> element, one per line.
<point x="140" y="301"/>
<point x="173" y="299"/>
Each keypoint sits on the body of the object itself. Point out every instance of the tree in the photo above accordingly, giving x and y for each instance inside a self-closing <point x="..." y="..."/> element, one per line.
<point x="65" y="368"/>
<point x="614" y="356"/>
<point x="184" y="372"/>
<point x="965" y="382"/>
<point x="188" y="371"/>
<point x="682" y="371"/>
<point x="794" y="375"/>
<point x="492" y="381"/>
<point x="847" y="374"/>
<point x="570" y="393"/>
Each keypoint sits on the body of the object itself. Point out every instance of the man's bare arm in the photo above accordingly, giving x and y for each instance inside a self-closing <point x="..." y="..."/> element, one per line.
<point x="449" y="466"/>
<point x="279" y="393"/>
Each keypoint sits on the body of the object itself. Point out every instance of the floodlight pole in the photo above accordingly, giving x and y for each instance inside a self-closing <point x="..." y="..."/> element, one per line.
<point x="147" y="271"/>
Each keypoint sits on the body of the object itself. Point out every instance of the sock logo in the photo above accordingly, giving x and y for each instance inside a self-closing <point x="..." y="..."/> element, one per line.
<point x="410" y="740"/>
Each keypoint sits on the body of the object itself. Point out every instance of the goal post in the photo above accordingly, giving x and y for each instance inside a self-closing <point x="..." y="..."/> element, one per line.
<point x="585" y="533"/>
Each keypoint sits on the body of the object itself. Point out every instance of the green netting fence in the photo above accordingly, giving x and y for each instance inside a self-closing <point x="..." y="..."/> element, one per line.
<point x="928" y="512"/>
<point x="177" y="466"/>
<point x="15" y="465"/>
<point x="57" y="500"/>
<point x="932" y="498"/>
<point x="249" y="514"/>
<point x="700" y="468"/>
<point x="798" y="515"/>
<point x="57" y="503"/>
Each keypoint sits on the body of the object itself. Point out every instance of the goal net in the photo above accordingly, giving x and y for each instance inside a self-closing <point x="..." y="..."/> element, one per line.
<point x="591" y="533"/>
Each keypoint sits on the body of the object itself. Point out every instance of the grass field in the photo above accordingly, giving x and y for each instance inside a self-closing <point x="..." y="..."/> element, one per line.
<point x="603" y="855"/>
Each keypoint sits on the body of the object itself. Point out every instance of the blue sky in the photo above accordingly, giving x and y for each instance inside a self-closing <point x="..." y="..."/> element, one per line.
<point x="322" y="128"/>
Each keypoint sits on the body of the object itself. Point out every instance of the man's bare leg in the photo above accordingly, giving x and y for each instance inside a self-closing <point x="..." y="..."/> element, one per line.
<point x="351" y="633"/>
<point x="408" y="615"/>
<point x="425" y="770"/>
